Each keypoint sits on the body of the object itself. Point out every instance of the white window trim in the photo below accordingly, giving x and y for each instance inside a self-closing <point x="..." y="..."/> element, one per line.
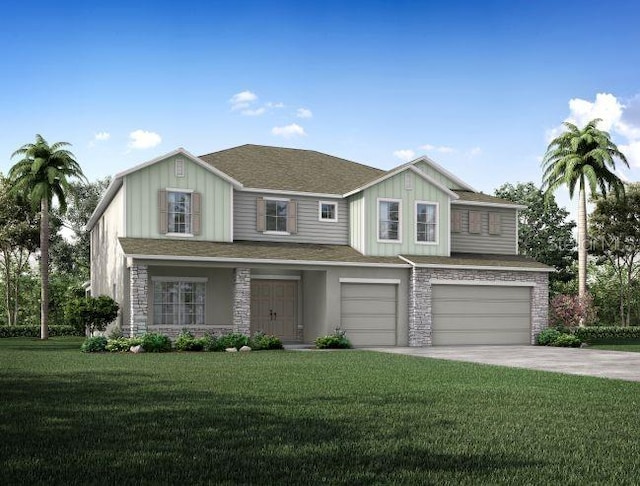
<point x="387" y="199"/>
<point x="271" y="232"/>
<point x="432" y="203"/>
<point x="186" y="191"/>
<point x="328" y="220"/>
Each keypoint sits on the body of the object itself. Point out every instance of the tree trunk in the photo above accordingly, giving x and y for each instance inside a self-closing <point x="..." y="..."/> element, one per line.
<point x="7" y="287"/>
<point x="582" y="244"/>
<point x="44" y="268"/>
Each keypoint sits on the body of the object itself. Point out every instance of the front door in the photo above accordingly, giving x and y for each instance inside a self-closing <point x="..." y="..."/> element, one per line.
<point x="274" y="308"/>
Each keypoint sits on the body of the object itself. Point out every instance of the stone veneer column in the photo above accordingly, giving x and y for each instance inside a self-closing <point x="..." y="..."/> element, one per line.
<point x="419" y="308"/>
<point x="139" y="299"/>
<point x="242" y="300"/>
<point x="539" y="305"/>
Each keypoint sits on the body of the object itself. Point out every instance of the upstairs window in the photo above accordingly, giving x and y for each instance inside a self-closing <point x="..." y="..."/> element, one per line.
<point x="328" y="211"/>
<point x="276" y="216"/>
<point x="388" y="220"/>
<point x="426" y="222"/>
<point x="179" y="212"/>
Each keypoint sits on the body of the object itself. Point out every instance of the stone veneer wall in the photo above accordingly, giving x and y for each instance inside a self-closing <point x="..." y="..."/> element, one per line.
<point x="420" y="296"/>
<point x="242" y="300"/>
<point x="138" y="298"/>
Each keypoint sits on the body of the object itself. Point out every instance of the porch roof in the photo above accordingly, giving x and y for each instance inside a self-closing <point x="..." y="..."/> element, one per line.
<point x="251" y="252"/>
<point x="478" y="260"/>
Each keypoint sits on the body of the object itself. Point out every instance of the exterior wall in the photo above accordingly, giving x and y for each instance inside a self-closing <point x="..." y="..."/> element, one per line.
<point x="420" y="302"/>
<point x="394" y="188"/>
<point x="504" y="243"/>
<point x="310" y="229"/>
<point x="356" y="220"/>
<point x="314" y="298"/>
<point x="109" y="275"/>
<point x="434" y="174"/>
<point x="142" y="199"/>
<point x="219" y="298"/>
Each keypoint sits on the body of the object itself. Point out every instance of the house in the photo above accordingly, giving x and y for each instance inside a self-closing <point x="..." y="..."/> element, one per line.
<point x="297" y="243"/>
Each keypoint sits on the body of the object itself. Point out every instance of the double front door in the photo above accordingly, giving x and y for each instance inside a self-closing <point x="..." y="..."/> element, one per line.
<point x="274" y="308"/>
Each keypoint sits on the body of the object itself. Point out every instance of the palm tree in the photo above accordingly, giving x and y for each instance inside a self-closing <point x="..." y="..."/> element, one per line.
<point x="42" y="173"/>
<point x="584" y="158"/>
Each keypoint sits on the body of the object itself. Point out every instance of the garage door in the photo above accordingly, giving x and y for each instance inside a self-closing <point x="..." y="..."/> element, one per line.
<point x="369" y="313"/>
<point x="480" y="314"/>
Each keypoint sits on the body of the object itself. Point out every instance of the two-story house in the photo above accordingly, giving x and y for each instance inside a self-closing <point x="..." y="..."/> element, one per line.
<point x="297" y="243"/>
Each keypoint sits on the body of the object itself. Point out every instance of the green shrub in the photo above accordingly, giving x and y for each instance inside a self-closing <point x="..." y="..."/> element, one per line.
<point x="608" y="334"/>
<point x="55" y="330"/>
<point x="188" y="342"/>
<point x="156" y="343"/>
<point x="92" y="313"/>
<point x="260" y="341"/>
<point x="116" y="333"/>
<point x="548" y="336"/>
<point x="567" y="341"/>
<point x="122" y="344"/>
<point x="233" y="340"/>
<point x="96" y="344"/>
<point x="337" y="340"/>
<point x="211" y="343"/>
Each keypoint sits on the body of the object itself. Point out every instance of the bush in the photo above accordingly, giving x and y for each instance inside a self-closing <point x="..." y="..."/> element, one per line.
<point x="571" y="311"/>
<point x="55" y="330"/>
<point x="608" y="334"/>
<point x="337" y="340"/>
<point x="567" y="341"/>
<point x="232" y="340"/>
<point x="116" y="333"/>
<point x="92" y="313"/>
<point x="211" y="343"/>
<point x="188" y="342"/>
<point x="95" y="344"/>
<point x="548" y="336"/>
<point x="122" y="344"/>
<point x="156" y="343"/>
<point x="260" y="341"/>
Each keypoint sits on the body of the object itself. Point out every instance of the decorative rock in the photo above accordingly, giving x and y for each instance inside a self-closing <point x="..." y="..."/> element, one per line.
<point x="245" y="348"/>
<point x="231" y="350"/>
<point x="137" y="349"/>
<point x="584" y="345"/>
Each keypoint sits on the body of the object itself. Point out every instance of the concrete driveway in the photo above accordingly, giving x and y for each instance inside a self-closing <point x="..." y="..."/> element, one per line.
<point x="584" y="361"/>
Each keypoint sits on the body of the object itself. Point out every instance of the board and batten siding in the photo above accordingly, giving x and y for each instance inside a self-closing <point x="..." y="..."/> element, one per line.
<point x="437" y="176"/>
<point x="396" y="188"/>
<point x="309" y="228"/>
<point x="142" y="209"/>
<point x="356" y="220"/>
<point x="484" y="242"/>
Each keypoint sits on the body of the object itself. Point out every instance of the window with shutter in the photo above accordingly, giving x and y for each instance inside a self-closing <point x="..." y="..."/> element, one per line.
<point x="179" y="212"/>
<point x="494" y="223"/>
<point x="196" y="210"/>
<point x="475" y="222"/>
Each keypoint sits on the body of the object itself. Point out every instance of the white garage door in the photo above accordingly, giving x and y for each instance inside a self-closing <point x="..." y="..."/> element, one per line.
<point x="480" y="314"/>
<point x="369" y="313"/>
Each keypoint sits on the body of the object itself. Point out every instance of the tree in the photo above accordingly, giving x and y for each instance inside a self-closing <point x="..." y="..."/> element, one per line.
<point x="543" y="230"/>
<point x="41" y="174"/>
<point x="18" y="242"/>
<point x="91" y="313"/>
<point x="584" y="158"/>
<point x="615" y="238"/>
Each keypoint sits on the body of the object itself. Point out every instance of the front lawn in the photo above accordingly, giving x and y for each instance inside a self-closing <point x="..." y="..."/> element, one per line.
<point x="286" y="417"/>
<point x="633" y="348"/>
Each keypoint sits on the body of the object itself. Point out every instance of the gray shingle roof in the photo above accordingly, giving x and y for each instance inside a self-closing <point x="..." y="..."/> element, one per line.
<point x="286" y="169"/>
<point x="481" y="198"/>
<point x="480" y="260"/>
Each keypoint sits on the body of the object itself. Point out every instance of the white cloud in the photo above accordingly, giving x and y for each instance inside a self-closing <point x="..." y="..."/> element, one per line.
<point x="271" y="104"/>
<point x="474" y="152"/>
<point x="242" y="100"/>
<point x="256" y="112"/>
<point x="443" y="149"/>
<point x="619" y="118"/>
<point x="101" y="136"/>
<point x="288" y="131"/>
<point x="304" y="113"/>
<point x="405" y="154"/>
<point x="142" y="139"/>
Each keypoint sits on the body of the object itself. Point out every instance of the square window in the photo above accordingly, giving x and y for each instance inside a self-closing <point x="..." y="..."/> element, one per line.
<point x="179" y="303"/>
<point x="328" y="211"/>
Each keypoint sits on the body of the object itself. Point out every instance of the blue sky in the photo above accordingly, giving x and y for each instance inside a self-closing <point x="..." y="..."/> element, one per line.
<point x="478" y="86"/>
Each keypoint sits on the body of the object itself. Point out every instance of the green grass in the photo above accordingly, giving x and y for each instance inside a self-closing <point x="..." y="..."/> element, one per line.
<point x="632" y="348"/>
<point x="285" y="417"/>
